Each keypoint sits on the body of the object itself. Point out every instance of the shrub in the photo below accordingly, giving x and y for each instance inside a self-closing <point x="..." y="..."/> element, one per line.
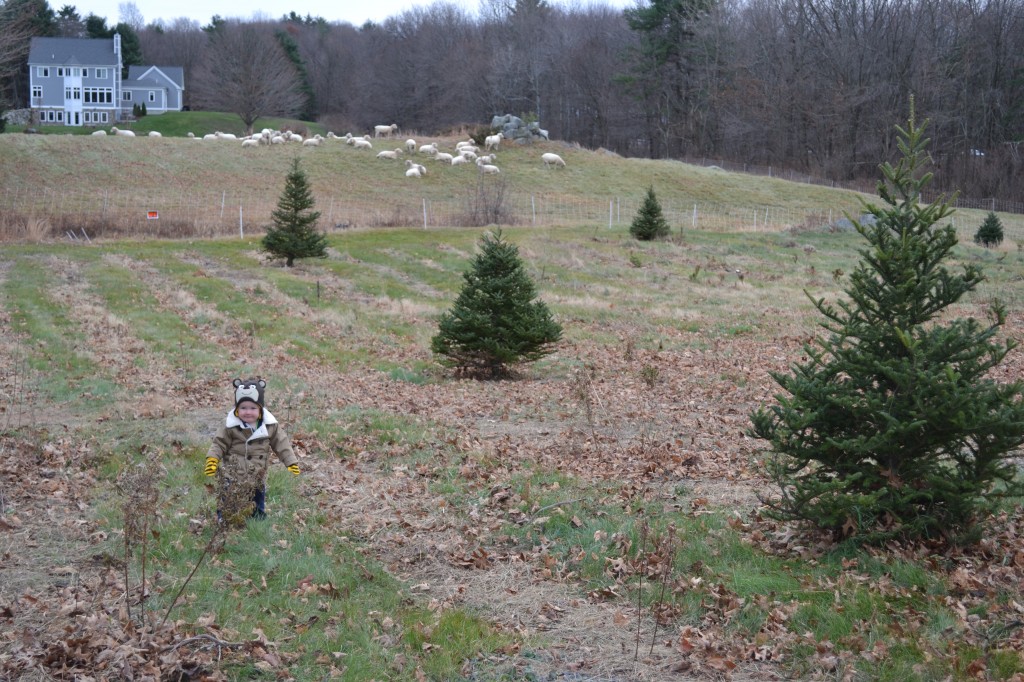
<point x="495" y="321"/>
<point x="294" y="232"/>
<point x="892" y="426"/>
<point x="990" y="233"/>
<point x="649" y="223"/>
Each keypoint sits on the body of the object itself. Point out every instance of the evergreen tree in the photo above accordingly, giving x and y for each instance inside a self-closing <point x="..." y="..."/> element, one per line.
<point x="649" y="223"/>
<point x="294" y="232"/>
<point x="891" y="426"/>
<point x="495" y="321"/>
<point x="991" y="232"/>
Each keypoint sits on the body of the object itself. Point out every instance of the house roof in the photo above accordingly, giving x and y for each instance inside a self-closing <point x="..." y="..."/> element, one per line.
<point x="158" y="75"/>
<point x="72" y="51"/>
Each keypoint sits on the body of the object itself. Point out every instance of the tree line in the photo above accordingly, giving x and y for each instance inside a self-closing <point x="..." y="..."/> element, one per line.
<point x="809" y="85"/>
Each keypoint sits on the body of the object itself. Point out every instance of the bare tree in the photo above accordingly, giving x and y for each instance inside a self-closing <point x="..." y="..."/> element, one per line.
<point x="129" y="13"/>
<point x="246" y="72"/>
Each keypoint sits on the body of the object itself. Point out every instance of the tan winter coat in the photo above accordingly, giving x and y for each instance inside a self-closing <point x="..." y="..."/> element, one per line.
<point x="245" y="454"/>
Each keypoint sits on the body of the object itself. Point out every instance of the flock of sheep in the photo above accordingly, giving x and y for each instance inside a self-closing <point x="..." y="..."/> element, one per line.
<point x="465" y="152"/>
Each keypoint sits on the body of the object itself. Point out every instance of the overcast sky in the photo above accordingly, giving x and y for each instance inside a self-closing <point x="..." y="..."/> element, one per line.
<point x="355" y="12"/>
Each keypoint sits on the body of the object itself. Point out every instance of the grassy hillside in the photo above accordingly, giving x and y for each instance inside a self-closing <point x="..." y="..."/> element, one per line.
<point x="50" y="184"/>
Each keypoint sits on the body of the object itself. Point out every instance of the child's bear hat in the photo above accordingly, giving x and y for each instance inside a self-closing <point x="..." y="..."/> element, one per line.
<point x="249" y="389"/>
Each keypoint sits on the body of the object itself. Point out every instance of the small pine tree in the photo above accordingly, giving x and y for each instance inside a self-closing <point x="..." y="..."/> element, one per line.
<point x="990" y="233"/>
<point x="135" y="110"/>
<point x="649" y="222"/>
<point x="142" y="109"/>
<point x="294" y="232"/>
<point x="892" y="425"/>
<point x="495" y="321"/>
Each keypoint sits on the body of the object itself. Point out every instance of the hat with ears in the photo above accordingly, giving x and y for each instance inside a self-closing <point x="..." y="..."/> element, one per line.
<point x="249" y="389"/>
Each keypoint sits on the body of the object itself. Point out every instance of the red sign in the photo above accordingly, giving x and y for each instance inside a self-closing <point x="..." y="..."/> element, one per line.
<point x="153" y="215"/>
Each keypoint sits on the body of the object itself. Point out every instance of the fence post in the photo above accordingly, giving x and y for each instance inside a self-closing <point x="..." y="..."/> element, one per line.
<point x="611" y="205"/>
<point x="533" y="206"/>
<point x="241" y="232"/>
<point x="424" y="214"/>
<point x="695" y="216"/>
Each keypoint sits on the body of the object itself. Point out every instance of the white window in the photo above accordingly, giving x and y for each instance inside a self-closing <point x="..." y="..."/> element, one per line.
<point x="60" y="115"/>
<point x="76" y="72"/>
<point x="152" y="96"/>
<point x="101" y="73"/>
<point x="85" y="73"/>
<point x="60" y="71"/>
<point x="86" y="117"/>
<point x="49" y="115"/>
<point x="103" y="116"/>
<point x="43" y="71"/>
<point x="37" y="91"/>
<point x="126" y="95"/>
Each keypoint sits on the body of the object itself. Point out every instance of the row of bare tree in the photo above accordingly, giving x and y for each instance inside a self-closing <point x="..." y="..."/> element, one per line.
<point x="814" y="85"/>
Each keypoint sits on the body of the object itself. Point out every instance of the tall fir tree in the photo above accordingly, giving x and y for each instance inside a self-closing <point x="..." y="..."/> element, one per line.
<point x="990" y="233"/>
<point x="495" y="321"/>
<point x="649" y="222"/>
<point x="294" y="233"/>
<point x="892" y="426"/>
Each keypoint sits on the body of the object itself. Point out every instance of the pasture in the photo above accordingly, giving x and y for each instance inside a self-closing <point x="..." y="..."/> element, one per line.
<point x="595" y="517"/>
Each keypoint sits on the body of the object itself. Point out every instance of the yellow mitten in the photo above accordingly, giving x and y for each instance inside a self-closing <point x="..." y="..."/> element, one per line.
<point x="294" y="468"/>
<point x="211" y="466"/>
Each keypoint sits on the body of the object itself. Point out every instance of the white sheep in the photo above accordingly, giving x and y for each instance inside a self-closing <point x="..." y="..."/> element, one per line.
<point x="154" y="133"/>
<point x="100" y="133"/>
<point x="226" y="136"/>
<point x="492" y="141"/>
<point x="349" y="139"/>
<point x="410" y="145"/>
<point x="389" y="154"/>
<point x="430" y="149"/>
<point x="443" y="156"/>
<point x="486" y="158"/>
<point x="411" y="165"/>
<point x="312" y="142"/>
<point x="488" y="168"/>
<point x="251" y="142"/>
<point x="277" y="139"/>
<point x="360" y="143"/>
<point x="469" y="154"/>
<point x="550" y="159"/>
<point x="384" y="130"/>
<point x="293" y="137"/>
<point x="463" y="143"/>
<point x="114" y="130"/>
<point x="466" y="146"/>
<point x="459" y="160"/>
<point x="190" y="135"/>
<point x="413" y="172"/>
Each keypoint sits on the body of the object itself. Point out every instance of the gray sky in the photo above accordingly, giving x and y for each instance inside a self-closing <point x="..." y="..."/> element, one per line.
<point x="355" y="12"/>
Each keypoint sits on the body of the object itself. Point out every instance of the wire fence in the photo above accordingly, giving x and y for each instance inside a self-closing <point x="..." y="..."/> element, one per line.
<point x="76" y="214"/>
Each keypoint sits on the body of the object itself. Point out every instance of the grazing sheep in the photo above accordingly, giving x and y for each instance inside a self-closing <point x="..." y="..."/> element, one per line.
<point x="550" y="159"/>
<point x="114" y="130"/>
<point x="210" y="136"/>
<point x="190" y="135"/>
<point x="154" y="133"/>
<point x="277" y="139"/>
<point x="469" y="154"/>
<point x="251" y="142"/>
<point x="413" y="172"/>
<point x="100" y="133"/>
<point x="443" y="156"/>
<point x="466" y="146"/>
<point x="488" y="168"/>
<point x="388" y="154"/>
<point x="430" y="149"/>
<point x="492" y="141"/>
<point x="384" y="130"/>
<point x="410" y="145"/>
<point x="313" y="141"/>
<point x="360" y="143"/>
<point x="459" y="160"/>
<point x="486" y="158"/>
<point x="225" y="136"/>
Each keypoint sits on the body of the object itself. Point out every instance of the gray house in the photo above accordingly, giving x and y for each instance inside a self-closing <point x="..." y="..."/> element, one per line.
<point x="160" y="88"/>
<point x="77" y="81"/>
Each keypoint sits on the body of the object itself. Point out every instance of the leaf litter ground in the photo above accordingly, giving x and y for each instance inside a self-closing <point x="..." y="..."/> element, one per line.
<point x="637" y="423"/>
